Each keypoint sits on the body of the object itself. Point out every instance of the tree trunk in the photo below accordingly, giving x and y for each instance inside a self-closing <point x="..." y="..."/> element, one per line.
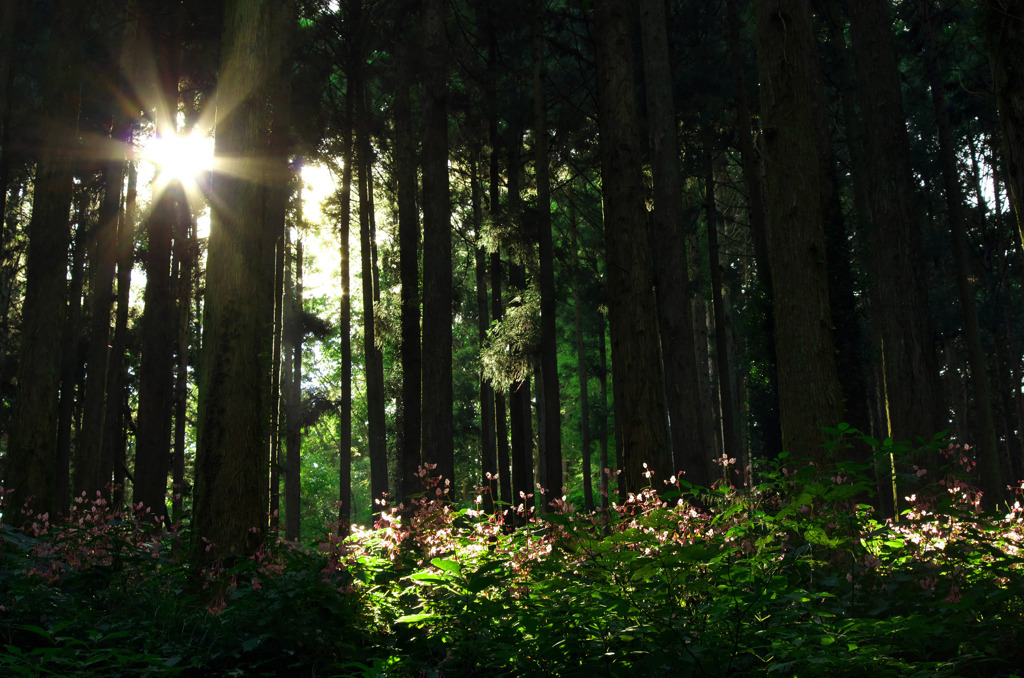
<point x="631" y="306"/>
<point x="581" y="367"/>
<point x="114" y="438"/>
<point x="293" y="440"/>
<point x="809" y="393"/>
<point x="409" y="270"/>
<point x="899" y="304"/>
<point x="989" y="470"/>
<point x="552" y="483"/>
<point x="102" y="258"/>
<point x="671" y="269"/>
<point x="344" y="326"/>
<point x="852" y="346"/>
<point x="438" y="423"/>
<point x="371" y="295"/>
<point x="751" y="165"/>
<point x="520" y="407"/>
<point x="186" y="248"/>
<point x="603" y="424"/>
<point x="86" y="474"/>
<point x="730" y="433"/>
<point x="488" y="447"/>
<point x="231" y="492"/>
<point x="152" y="441"/>
<point x="32" y="441"/>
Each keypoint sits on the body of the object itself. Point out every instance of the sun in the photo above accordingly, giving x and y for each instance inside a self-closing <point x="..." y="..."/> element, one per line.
<point x="179" y="158"/>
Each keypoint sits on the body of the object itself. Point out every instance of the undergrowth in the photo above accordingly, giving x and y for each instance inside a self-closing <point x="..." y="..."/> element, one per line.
<point x="796" y="575"/>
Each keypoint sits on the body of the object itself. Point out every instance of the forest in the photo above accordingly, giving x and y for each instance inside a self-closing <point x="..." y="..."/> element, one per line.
<point x="511" y="337"/>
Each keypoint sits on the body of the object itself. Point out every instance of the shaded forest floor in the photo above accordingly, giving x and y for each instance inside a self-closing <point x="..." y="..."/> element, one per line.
<point x="791" y="577"/>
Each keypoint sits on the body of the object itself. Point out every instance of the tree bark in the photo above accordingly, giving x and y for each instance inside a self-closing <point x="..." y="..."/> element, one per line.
<point x="581" y="367"/>
<point x="32" y="441"/>
<point x="231" y="485"/>
<point x="85" y="475"/>
<point x="729" y="428"/>
<point x="409" y="269"/>
<point x="344" y="326"/>
<point x="374" y="358"/>
<point x="552" y="483"/>
<point x="438" y="423"/>
<point x="809" y="392"/>
<point x="767" y="414"/>
<point x="114" y="438"/>
<point x="520" y="401"/>
<point x="631" y="304"/>
<point x="293" y="420"/>
<point x="488" y="445"/>
<point x="898" y="303"/>
<point x="152" y="440"/>
<point x="671" y="269"/>
<point x="102" y="258"/>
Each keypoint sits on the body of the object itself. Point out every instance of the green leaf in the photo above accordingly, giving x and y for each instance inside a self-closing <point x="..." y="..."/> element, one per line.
<point x="447" y="565"/>
<point x="417" y="618"/>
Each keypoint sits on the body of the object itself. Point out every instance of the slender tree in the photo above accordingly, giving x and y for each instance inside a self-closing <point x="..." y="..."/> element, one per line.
<point x="438" y="422"/>
<point x="409" y="258"/>
<point x="551" y="482"/>
<point x="345" y="322"/>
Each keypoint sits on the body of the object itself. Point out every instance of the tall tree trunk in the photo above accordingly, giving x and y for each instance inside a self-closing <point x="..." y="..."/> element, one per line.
<point x="69" y="369"/>
<point x="152" y="448"/>
<point x="231" y="485"/>
<point x="581" y="365"/>
<point x="852" y="346"/>
<point x="603" y="424"/>
<point x="438" y="422"/>
<point x="502" y="400"/>
<point x="372" y="353"/>
<point x="102" y="258"/>
<point x="751" y="164"/>
<point x="280" y="195"/>
<point x="32" y="441"/>
<point x="552" y="482"/>
<point x="671" y="269"/>
<point x="409" y="270"/>
<point x="520" y="407"/>
<point x="344" y="325"/>
<point x="730" y="432"/>
<point x="631" y="306"/>
<point x="277" y="433"/>
<point x="989" y="470"/>
<point x="501" y="397"/>
<point x="809" y="393"/>
<point x="293" y="441"/>
<point x="488" y="446"/>
<point x="114" y="438"/>
<point x="186" y="248"/>
<point x="899" y="304"/>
